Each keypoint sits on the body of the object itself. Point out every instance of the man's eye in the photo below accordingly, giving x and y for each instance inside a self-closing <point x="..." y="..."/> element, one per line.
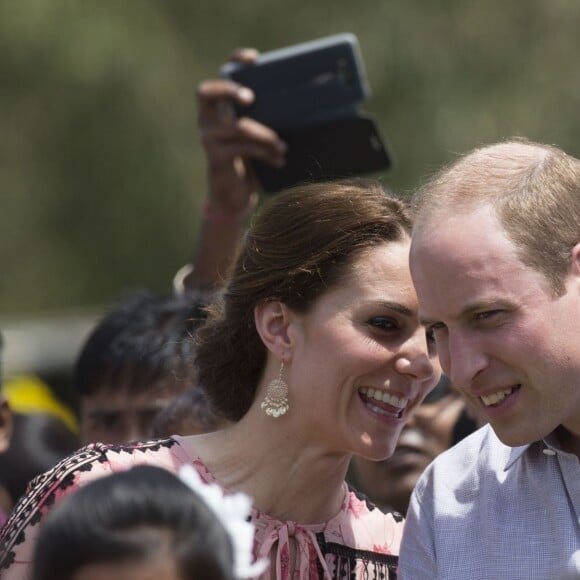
<point x="487" y="314"/>
<point x="433" y="331"/>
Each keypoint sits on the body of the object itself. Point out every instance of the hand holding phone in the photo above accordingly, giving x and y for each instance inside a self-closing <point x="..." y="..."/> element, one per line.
<point x="310" y="94"/>
<point x="230" y="142"/>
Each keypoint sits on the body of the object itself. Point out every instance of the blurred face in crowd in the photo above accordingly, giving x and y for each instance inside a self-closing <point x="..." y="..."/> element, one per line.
<point x="5" y="423"/>
<point x="5" y="433"/>
<point x="160" y="566"/>
<point x="122" y="415"/>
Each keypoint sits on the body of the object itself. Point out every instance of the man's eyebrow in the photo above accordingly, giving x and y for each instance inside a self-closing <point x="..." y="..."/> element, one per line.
<point x="424" y="321"/>
<point x="468" y="310"/>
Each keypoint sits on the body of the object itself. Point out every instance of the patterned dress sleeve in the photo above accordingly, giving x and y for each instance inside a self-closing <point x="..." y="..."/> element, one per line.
<point x="18" y="536"/>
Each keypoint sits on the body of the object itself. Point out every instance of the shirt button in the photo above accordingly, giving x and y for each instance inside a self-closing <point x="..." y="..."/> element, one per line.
<point x="548" y="452"/>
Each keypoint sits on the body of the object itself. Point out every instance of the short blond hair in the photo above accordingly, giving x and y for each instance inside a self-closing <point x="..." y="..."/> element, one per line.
<point x="534" y="190"/>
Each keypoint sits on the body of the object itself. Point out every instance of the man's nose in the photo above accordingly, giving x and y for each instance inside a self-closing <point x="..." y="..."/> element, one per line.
<point x="462" y="358"/>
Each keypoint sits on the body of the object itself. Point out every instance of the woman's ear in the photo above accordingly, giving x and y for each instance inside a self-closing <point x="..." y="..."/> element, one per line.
<point x="272" y="320"/>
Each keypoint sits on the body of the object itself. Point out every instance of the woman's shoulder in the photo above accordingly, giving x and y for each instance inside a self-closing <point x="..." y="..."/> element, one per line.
<point x="96" y="460"/>
<point x="88" y="463"/>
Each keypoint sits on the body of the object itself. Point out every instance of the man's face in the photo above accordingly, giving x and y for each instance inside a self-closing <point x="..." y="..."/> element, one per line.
<point x="501" y="335"/>
<point x="120" y="416"/>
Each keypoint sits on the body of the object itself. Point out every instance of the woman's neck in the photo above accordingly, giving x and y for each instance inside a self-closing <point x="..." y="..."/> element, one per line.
<point x="288" y="478"/>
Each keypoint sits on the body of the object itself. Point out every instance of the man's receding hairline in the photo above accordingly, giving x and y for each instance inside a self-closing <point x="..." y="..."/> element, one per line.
<point x="519" y="154"/>
<point x="512" y="159"/>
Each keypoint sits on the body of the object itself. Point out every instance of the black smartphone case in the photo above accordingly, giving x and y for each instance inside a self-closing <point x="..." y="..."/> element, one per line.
<point x="310" y="94"/>
<point x="331" y="150"/>
<point x="303" y="84"/>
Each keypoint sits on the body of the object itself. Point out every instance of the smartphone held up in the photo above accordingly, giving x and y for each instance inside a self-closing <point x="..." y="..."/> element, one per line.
<point x="310" y="95"/>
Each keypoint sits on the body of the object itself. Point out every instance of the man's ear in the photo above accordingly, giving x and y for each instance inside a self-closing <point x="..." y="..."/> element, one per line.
<point x="5" y="424"/>
<point x="573" y="275"/>
<point x="575" y="263"/>
<point x="272" y="320"/>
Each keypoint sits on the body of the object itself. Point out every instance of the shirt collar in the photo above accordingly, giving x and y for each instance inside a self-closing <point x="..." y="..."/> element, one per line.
<point x="550" y="442"/>
<point x="515" y="454"/>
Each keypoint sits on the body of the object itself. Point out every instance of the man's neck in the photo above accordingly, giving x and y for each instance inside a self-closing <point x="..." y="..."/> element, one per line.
<point x="569" y="441"/>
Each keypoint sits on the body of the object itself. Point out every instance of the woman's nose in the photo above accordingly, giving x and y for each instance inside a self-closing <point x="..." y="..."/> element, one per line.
<point x="416" y="360"/>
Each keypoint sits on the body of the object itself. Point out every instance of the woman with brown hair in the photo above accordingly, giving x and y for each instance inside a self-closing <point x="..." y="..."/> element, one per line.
<point x="314" y="353"/>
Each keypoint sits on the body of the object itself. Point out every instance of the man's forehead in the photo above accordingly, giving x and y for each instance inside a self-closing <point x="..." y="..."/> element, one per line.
<point x="462" y="266"/>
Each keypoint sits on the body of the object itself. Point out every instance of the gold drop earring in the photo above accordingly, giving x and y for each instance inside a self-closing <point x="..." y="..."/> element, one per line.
<point x="275" y="404"/>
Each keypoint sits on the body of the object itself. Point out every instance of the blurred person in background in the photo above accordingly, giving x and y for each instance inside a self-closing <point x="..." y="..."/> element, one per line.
<point x="230" y="144"/>
<point x="139" y="524"/>
<point x="39" y="441"/>
<point x="43" y="431"/>
<point x="29" y="394"/>
<point x="189" y="414"/>
<point x="5" y="435"/>
<point x="137" y="359"/>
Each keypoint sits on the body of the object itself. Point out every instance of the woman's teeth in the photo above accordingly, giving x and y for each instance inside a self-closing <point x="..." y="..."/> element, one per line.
<point x="384" y="397"/>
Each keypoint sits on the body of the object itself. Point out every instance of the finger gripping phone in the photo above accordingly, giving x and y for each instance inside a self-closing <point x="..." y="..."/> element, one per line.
<point x="310" y="95"/>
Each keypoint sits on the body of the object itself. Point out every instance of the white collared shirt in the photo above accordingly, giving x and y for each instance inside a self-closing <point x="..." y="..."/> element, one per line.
<point x="484" y="510"/>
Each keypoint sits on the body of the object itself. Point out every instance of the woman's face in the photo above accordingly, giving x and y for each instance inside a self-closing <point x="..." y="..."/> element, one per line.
<point x="361" y="363"/>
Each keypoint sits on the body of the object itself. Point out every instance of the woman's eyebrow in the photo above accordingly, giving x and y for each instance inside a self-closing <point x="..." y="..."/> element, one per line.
<point x="398" y="307"/>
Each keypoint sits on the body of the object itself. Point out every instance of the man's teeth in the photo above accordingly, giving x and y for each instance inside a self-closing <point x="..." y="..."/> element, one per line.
<point x="385" y="397"/>
<point x="495" y="398"/>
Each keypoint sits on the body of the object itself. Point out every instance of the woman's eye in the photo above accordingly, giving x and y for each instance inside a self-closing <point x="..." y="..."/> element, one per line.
<point x="383" y="323"/>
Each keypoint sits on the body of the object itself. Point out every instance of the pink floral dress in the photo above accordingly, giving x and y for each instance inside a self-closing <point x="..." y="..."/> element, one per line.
<point x="359" y="542"/>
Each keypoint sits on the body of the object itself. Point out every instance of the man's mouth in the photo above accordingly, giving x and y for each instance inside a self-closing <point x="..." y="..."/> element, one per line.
<point x="495" y="399"/>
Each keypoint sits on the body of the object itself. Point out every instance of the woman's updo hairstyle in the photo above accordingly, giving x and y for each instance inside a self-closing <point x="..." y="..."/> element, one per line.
<point x="299" y="245"/>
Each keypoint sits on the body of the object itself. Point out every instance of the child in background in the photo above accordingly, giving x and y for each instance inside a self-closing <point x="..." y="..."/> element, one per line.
<point x="147" y="523"/>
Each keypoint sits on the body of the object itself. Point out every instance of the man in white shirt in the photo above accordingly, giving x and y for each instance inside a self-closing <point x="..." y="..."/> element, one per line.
<point x="496" y="262"/>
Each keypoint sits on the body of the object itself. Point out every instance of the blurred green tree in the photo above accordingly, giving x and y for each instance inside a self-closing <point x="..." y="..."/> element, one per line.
<point x="100" y="168"/>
